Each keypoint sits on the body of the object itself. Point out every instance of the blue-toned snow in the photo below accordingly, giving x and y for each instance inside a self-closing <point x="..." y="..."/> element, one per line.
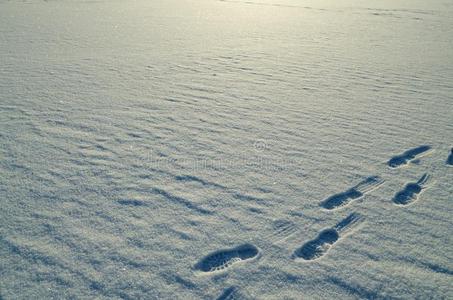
<point x="183" y="149"/>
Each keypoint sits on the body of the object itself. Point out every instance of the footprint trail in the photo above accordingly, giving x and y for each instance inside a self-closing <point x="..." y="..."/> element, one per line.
<point x="345" y="198"/>
<point x="408" y="156"/>
<point x="412" y="190"/>
<point x="319" y="246"/>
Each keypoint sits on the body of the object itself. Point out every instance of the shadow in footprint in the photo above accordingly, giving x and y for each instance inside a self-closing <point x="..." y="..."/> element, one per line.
<point x="408" y="156"/>
<point x="319" y="246"/>
<point x="223" y="259"/>
<point x="412" y="190"/>
<point x="354" y="193"/>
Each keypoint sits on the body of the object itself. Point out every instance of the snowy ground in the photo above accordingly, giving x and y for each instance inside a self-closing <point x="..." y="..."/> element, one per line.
<point x="202" y="149"/>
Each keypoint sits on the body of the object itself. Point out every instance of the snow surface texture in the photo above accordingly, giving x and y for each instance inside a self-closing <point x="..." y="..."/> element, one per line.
<point x="189" y="149"/>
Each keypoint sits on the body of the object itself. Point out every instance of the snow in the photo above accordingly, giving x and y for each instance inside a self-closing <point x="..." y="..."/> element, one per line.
<point x="140" y="140"/>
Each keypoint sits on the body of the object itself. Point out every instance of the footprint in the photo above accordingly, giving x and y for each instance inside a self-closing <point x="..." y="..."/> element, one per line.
<point x="354" y="193"/>
<point x="408" y="156"/>
<point x="450" y="158"/>
<point x="319" y="246"/>
<point x="223" y="259"/>
<point x="412" y="190"/>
